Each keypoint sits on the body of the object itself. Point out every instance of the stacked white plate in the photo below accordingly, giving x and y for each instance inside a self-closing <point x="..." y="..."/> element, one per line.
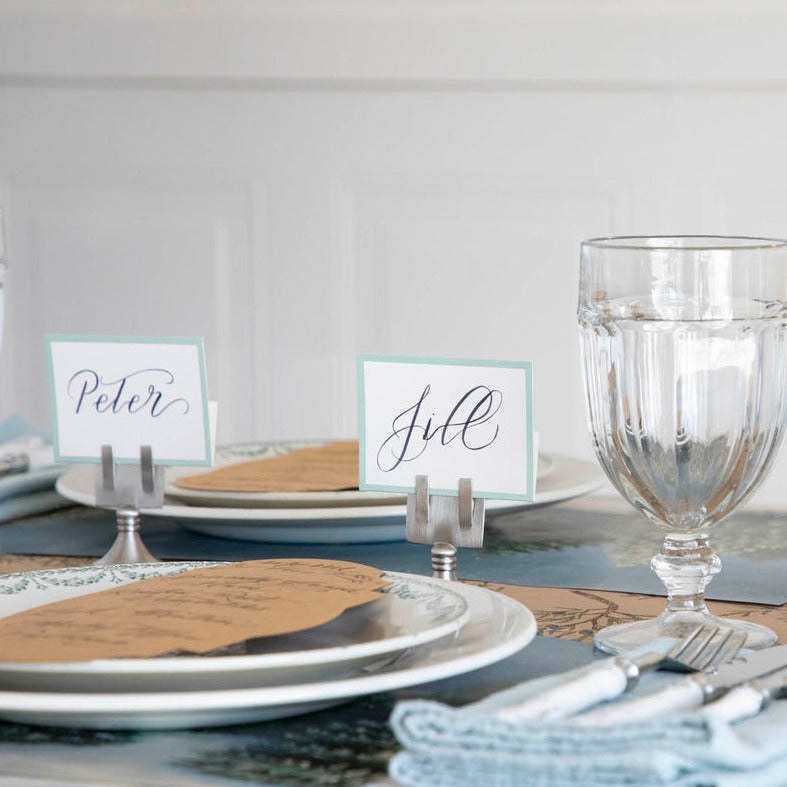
<point x="316" y="517"/>
<point x="419" y="631"/>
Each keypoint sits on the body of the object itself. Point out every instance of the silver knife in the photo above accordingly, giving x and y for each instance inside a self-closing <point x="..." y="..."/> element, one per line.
<point x="773" y="686"/>
<point x="750" y="698"/>
<point x="693" y="691"/>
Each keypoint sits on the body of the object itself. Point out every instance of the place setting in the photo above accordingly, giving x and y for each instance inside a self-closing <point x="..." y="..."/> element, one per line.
<point x="683" y="360"/>
<point x="382" y="631"/>
<point x="307" y="492"/>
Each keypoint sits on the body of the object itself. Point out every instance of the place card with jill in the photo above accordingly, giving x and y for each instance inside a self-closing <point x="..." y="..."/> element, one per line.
<point x="447" y="419"/>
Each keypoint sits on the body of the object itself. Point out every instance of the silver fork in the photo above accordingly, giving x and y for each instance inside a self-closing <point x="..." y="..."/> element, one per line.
<point x="701" y="650"/>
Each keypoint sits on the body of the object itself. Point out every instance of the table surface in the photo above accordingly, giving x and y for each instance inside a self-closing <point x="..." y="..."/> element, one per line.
<point x="350" y="744"/>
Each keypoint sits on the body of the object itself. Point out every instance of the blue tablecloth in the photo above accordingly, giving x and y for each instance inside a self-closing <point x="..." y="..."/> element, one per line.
<point x="570" y="545"/>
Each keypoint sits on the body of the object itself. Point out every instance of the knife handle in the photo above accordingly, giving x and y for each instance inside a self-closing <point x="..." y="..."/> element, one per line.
<point x="681" y="695"/>
<point x="739" y="703"/>
<point x="604" y="681"/>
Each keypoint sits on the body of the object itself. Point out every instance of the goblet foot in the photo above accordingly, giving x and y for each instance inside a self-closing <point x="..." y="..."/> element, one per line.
<point x="626" y="636"/>
<point x="685" y="564"/>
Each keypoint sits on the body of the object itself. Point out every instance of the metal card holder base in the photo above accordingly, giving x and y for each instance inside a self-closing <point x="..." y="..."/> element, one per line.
<point x="128" y="487"/>
<point x="446" y="522"/>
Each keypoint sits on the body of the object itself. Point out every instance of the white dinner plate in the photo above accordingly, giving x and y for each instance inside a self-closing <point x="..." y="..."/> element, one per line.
<point x="497" y="626"/>
<point x="332" y="524"/>
<point x="247" y="452"/>
<point x="413" y="610"/>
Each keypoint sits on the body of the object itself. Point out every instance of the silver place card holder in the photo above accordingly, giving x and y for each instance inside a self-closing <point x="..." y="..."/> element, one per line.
<point x="446" y="522"/>
<point x="127" y="488"/>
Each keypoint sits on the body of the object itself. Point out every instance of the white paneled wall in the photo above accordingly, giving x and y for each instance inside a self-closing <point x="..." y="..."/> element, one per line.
<point x="301" y="181"/>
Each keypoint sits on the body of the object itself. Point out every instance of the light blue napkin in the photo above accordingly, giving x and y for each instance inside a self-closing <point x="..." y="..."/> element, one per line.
<point x="32" y="491"/>
<point x="460" y="747"/>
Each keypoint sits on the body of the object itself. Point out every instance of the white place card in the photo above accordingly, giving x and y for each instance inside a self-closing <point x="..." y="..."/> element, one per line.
<point x="126" y="392"/>
<point x="446" y="419"/>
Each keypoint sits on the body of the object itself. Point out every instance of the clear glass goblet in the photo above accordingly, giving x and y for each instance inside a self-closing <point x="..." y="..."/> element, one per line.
<point x="684" y="347"/>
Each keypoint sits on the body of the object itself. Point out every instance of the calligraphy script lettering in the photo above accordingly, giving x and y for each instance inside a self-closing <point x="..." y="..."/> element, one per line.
<point x="192" y="612"/>
<point x="136" y="392"/>
<point x="470" y="420"/>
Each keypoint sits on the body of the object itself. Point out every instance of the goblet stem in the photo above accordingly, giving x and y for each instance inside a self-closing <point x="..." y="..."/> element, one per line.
<point x="686" y="565"/>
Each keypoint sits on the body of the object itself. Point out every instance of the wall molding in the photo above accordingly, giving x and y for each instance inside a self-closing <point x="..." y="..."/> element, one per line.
<point x="436" y="44"/>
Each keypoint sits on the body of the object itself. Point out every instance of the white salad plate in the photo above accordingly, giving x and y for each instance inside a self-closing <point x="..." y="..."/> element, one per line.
<point x="412" y="611"/>
<point x="331" y="524"/>
<point x="496" y="627"/>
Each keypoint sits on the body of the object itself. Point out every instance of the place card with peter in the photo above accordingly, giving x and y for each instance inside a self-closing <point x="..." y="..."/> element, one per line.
<point x="127" y="392"/>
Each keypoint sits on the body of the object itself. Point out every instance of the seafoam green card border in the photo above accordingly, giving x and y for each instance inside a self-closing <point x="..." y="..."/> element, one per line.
<point x="64" y="338"/>
<point x="527" y="368"/>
